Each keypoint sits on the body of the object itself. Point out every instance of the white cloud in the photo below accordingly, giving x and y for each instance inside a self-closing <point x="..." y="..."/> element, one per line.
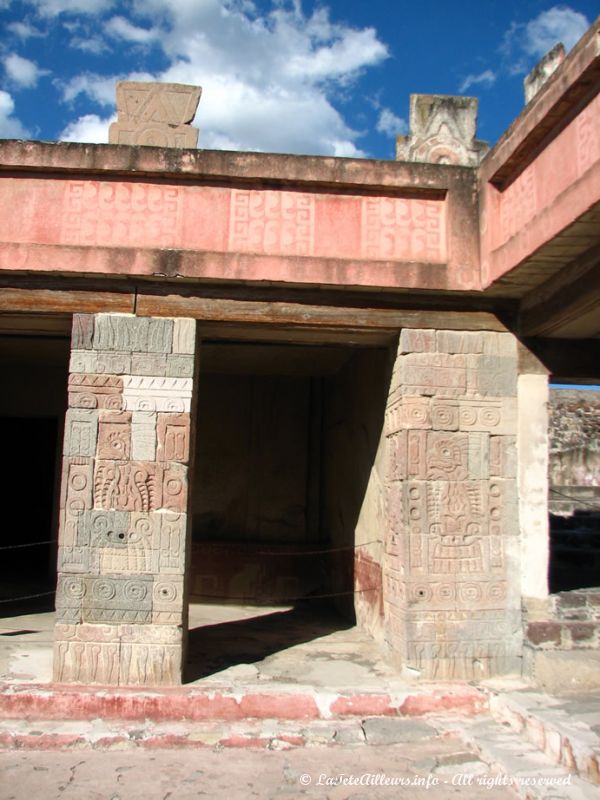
<point x="390" y="124"/>
<point x="21" y="71"/>
<point x="269" y="81"/>
<point x="121" y="28"/>
<point x="10" y="126"/>
<point x="23" y="30"/>
<point x="557" y="24"/>
<point x="89" y="128"/>
<point x="485" y="79"/>
<point x="526" y="43"/>
<point x="52" y="8"/>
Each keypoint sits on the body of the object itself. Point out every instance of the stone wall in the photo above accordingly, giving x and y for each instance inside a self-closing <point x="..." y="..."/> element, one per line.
<point x="451" y="595"/>
<point x="121" y="599"/>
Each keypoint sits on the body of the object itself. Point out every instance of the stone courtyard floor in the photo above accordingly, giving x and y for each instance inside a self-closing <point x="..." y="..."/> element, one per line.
<point x="284" y="703"/>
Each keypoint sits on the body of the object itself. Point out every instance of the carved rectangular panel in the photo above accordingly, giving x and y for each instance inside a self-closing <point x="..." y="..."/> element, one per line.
<point x="405" y="229"/>
<point x="272" y="222"/>
<point x="95" y="391"/>
<point x="128" y="485"/>
<point x="120" y="214"/>
<point x="173" y="437"/>
<point x="141" y="393"/>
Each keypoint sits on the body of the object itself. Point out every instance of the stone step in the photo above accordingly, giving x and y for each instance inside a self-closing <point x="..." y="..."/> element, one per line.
<point x="242" y="702"/>
<point x="566" y="729"/>
<point x="516" y="762"/>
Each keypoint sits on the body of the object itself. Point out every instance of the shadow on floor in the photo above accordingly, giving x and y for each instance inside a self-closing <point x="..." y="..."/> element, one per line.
<point x="212" y="648"/>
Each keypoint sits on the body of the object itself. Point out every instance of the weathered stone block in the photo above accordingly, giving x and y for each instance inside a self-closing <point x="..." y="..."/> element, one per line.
<point x="143" y="435"/>
<point x="479" y="456"/>
<point x="127" y="485"/>
<point x="386" y="731"/>
<point x="540" y="633"/>
<point x="149" y="364"/>
<point x="100" y="363"/>
<point x="413" y="340"/>
<point x="442" y="131"/>
<point x="168" y="601"/>
<point x="82" y="332"/>
<point x="89" y="662"/>
<point x="184" y="336"/>
<point x="396" y="445"/>
<point x="173" y="536"/>
<point x="142" y="393"/>
<point x="503" y="456"/>
<point x="173" y="437"/>
<point x="114" y="435"/>
<point x="95" y="391"/>
<point x="497" y="415"/>
<point x="428" y="374"/>
<point x="105" y="528"/>
<point x="117" y="600"/>
<point x="151" y="634"/>
<point x="459" y="342"/>
<point x="73" y="559"/>
<point x="116" y="332"/>
<point x="447" y="456"/>
<point x="175" y="488"/>
<point x="583" y="631"/>
<point x="493" y="376"/>
<point x="543" y="71"/>
<point x="77" y="484"/>
<point x="81" y="432"/>
<point x="150" y="664"/>
<point x="180" y="366"/>
<point x="503" y="345"/>
<point x="444" y="415"/>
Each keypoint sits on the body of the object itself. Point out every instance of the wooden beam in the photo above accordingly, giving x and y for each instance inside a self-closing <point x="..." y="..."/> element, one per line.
<point x="56" y="301"/>
<point x="298" y="315"/>
<point x="568" y="304"/>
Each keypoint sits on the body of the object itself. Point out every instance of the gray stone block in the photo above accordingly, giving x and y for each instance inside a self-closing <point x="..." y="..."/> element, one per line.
<point x="82" y="332"/>
<point x="81" y="432"/>
<point x="180" y="366"/>
<point x="117" y="332"/>
<point x="390" y="730"/>
<point x="149" y="364"/>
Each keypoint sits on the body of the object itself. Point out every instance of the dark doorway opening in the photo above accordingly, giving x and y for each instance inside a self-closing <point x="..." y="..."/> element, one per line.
<point x="287" y="439"/>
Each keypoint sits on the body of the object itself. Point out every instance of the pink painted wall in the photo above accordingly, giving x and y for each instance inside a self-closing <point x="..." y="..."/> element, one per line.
<point x="561" y="184"/>
<point x="374" y="240"/>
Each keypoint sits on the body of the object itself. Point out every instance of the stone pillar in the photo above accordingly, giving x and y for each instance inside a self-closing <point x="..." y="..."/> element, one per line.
<point x="452" y="578"/>
<point x="121" y="610"/>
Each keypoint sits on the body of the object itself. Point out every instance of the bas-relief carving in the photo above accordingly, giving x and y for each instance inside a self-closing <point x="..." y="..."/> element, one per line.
<point x="400" y="228"/>
<point x="442" y="131"/>
<point x="122" y="547"/>
<point x="155" y="114"/>
<point x="272" y="222"/>
<point x="95" y="391"/>
<point x="173" y="437"/>
<point x="451" y="512"/>
<point x="141" y="393"/>
<point x="127" y="485"/>
<point x="134" y="334"/>
<point x="109" y="213"/>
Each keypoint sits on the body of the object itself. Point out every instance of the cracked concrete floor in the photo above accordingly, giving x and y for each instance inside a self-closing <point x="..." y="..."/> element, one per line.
<point x="432" y="768"/>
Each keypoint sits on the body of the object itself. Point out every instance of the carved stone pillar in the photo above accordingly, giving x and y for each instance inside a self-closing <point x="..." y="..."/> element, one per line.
<point x="452" y="579"/>
<point x="123" y="540"/>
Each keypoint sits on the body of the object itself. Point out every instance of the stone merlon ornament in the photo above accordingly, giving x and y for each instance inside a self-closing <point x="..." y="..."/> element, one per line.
<point x="155" y="114"/>
<point x="442" y="131"/>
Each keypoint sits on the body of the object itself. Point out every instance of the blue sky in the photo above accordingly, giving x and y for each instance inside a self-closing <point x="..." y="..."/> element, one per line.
<point x="330" y="78"/>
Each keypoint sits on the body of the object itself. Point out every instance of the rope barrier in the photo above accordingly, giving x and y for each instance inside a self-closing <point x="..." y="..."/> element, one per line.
<point x="232" y="546"/>
<point x="29" y="544"/>
<point x="284" y="600"/>
<point x="25" y="597"/>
